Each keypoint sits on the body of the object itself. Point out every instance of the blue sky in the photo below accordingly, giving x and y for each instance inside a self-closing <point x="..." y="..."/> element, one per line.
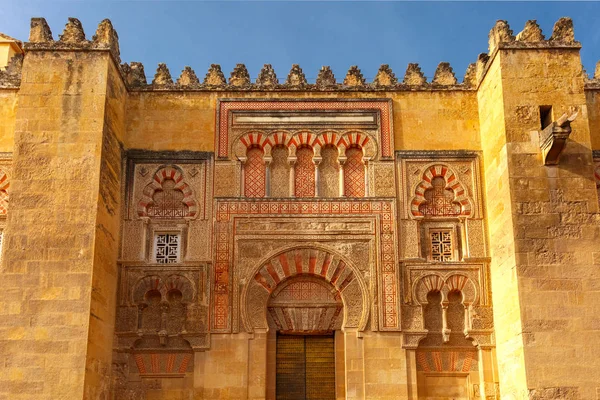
<point x="309" y="33"/>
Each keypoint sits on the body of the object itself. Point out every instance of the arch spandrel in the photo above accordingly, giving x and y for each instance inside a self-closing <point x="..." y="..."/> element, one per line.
<point x="310" y="263"/>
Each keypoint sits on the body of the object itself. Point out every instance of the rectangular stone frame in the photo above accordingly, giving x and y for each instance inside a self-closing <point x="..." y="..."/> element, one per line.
<point x="383" y="107"/>
<point x="221" y="320"/>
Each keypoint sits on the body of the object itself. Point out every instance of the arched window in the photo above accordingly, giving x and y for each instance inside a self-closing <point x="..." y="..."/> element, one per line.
<point x="280" y="172"/>
<point x="354" y="173"/>
<point x="439" y="201"/>
<point x="329" y="172"/>
<point x="254" y="173"/>
<point x="304" y="179"/>
<point x="167" y="202"/>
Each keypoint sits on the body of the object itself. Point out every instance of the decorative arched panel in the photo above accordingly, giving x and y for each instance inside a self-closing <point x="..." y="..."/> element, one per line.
<point x="329" y="172"/>
<point x="255" y="173"/>
<point x="168" y="196"/>
<point x="445" y="283"/>
<point x="250" y="140"/>
<point x="304" y="173"/>
<point x="440" y="193"/>
<point x="280" y="171"/>
<point x="354" y="173"/>
<point x="302" y="264"/>
<point x="361" y="140"/>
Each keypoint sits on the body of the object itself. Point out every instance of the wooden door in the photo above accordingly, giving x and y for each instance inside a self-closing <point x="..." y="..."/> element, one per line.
<point x="305" y="367"/>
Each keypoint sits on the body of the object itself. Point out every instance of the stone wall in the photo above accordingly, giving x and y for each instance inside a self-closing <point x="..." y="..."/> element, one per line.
<point x="464" y="265"/>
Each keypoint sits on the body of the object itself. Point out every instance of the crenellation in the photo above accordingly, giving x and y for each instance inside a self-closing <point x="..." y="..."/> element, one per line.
<point x="239" y="76"/>
<point x="531" y="33"/>
<point x="214" y="76"/>
<point x="500" y="33"/>
<point x="385" y="77"/>
<point x="414" y="76"/>
<point x="73" y="32"/>
<point x="106" y="36"/>
<point x="481" y="65"/>
<point x="325" y="78"/>
<point x="267" y="77"/>
<point x="470" y="78"/>
<point x="563" y="31"/>
<point x="134" y="74"/>
<point x="11" y="76"/>
<point x="354" y="77"/>
<point x="188" y="78"/>
<point x="296" y="78"/>
<point x="40" y="31"/>
<point x="162" y="77"/>
<point x="444" y="75"/>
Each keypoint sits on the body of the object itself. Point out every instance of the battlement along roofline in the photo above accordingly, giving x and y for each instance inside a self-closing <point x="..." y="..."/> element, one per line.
<point x="105" y="38"/>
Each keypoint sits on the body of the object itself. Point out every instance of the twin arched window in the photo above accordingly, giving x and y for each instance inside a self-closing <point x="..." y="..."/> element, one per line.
<point x="327" y="176"/>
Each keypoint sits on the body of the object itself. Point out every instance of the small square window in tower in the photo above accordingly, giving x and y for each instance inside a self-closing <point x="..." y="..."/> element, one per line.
<point x="442" y="244"/>
<point x="167" y="248"/>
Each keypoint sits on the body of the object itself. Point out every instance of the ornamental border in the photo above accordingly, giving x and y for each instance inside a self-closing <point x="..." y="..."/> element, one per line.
<point x="388" y="283"/>
<point x="226" y="106"/>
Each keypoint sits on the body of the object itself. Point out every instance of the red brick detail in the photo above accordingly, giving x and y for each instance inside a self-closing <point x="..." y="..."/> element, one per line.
<point x="437" y="205"/>
<point x="255" y="172"/>
<point x="468" y="361"/>
<point x="163" y="174"/>
<point x="284" y="265"/>
<point x="170" y="362"/>
<point x="383" y="107"/>
<point x="184" y="363"/>
<point x="139" y="361"/>
<point x="437" y="361"/>
<point x="4" y="185"/>
<point x="154" y="363"/>
<point x="354" y="173"/>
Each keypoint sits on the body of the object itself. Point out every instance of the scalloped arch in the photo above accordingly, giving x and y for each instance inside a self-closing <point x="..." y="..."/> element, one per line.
<point x="452" y="183"/>
<point x="162" y="174"/>
<point x="163" y="285"/>
<point x="445" y="283"/>
<point x="251" y="139"/>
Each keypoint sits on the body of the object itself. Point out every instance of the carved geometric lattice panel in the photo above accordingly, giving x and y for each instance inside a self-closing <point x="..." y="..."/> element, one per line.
<point x="304" y="180"/>
<point x="441" y="245"/>
<point x="354" y="173"/>
<point x="439" y="200"/>
<point x="168" y="202"/>
<point x="166" y="248"/>
<point x="254" y="173"/>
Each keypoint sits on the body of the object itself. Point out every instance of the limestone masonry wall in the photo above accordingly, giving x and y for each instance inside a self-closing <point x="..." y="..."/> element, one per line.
<point x="158" y="236"/>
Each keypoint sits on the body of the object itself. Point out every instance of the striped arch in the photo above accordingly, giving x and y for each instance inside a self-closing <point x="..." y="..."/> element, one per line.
<point x="304" y="138"/>
<point x="360" y="140"/>
<point x="280" y="138"/>
<point x="445" y="283"/>
<point x="248" y="140"/>
<point x="452" y="182"/>
<point x="164" y="173"/>
<point x="597" y="174"/>
<point x="308" y="262"/>
<point x="426" y="285"/>
<point x="331" y="138"/>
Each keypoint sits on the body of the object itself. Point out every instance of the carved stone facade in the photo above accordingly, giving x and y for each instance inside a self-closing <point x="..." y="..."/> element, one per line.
<point x="442" y="236"/>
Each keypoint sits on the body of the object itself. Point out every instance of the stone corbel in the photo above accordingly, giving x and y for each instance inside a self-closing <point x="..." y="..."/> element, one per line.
<point x="553" y="138"/>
